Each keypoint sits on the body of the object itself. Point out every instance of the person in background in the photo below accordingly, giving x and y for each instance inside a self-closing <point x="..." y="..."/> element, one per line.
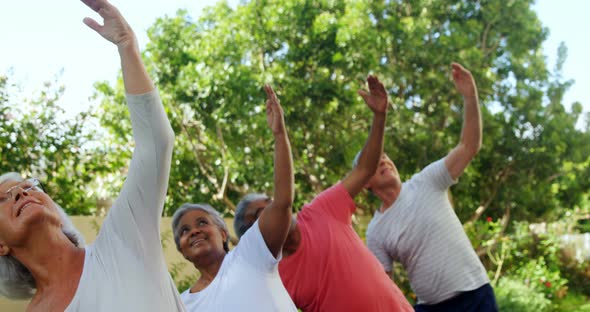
<point x="417" y="226"/>
<point x="326" y="266"/>
<point x="247" y="277"/>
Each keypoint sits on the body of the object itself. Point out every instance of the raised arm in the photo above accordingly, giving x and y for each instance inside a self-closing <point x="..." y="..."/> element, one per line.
<point x="135" y="215"/>
<point x="116" y="30"/>
<point x="470" y="143"/>
<point x="276" y="219"/>
<point x="368" y="161"/>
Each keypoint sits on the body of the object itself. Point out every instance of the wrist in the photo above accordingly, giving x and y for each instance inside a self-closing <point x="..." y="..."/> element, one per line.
<point x="280" y="134"/>
<point x="128" y="45"/>
<point x="380" y="115"/>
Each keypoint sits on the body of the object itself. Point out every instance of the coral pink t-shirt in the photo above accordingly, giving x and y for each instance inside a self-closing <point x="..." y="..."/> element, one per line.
<point x="332" y="270"/>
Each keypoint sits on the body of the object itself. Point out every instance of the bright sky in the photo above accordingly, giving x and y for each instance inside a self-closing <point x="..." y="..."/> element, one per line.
<point x="43" y="37"/>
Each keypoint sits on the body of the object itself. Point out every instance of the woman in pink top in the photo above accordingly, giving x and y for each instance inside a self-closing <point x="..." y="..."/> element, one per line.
<point x="326" y="266"/>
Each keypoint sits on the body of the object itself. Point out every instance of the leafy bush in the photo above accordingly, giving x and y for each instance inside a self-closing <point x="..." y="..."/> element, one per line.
<point x="516" y="296"/>
<point x="538" y="275"/>
<point x="573" y="302"/>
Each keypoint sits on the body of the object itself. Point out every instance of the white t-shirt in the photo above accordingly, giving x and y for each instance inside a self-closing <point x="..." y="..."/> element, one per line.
<point x="248" y="280"/>
<point x="124" y="270"/>
<point x="422" y="232"/>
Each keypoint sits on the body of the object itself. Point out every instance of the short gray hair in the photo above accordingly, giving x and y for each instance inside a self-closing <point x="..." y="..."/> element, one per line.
<point x="240" y="224"/>
<point x="215" y="216"/>
<point x="16" y="281"/>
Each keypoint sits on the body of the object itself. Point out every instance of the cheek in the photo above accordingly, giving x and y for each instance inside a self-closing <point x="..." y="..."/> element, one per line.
<point x="4" y="229"/>
<point x="183" y="242"/>
<point x="49" y="203"/>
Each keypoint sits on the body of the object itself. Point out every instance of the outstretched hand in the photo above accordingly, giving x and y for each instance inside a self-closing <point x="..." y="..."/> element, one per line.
<point x="274" y="111"/>
<point x="376" y="98"/>
<point x="464" y="81"/>
<point x="115" y="28"/>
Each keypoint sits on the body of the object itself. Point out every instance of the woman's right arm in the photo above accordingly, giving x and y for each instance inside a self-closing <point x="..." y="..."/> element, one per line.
<point x="275" y="220"/>
<point x="135" y="215"/>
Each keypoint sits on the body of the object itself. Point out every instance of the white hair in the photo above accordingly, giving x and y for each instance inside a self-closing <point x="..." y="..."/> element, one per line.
<point x="16" y="281"/>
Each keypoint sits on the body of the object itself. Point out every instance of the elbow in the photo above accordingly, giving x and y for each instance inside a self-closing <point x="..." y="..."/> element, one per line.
<point x="366" y="173"/>
<point x="472" y="149"/>
<point x="167" y="139"/>
<point x="476" y="147"/>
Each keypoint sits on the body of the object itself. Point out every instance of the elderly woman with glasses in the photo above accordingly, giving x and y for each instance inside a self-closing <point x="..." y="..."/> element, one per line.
<point x="43" y="256"/>
<point x="202" y="237"/>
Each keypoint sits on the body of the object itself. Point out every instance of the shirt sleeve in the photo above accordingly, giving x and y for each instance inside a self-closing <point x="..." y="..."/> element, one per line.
<point x="334" y="202"/>
<point x="437" y="175"/>
<point x="253" y="250"/>
<point x="133" y="221"/>
<point x="375" y="245"/>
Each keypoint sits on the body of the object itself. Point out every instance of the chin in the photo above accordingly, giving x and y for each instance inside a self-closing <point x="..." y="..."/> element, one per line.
<point x="39" y="215"/>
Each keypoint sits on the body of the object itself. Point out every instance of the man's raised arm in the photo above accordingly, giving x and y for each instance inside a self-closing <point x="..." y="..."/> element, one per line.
<point x="471" y="134"/>
<point x="376" y="100"/>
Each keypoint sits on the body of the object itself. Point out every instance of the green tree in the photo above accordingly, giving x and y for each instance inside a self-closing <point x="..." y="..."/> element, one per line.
<point x="36" y="140"/>
<point x="316" y="53"/>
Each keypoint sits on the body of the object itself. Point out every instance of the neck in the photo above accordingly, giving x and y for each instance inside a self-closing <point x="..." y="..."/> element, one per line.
<point x="388" y="196"/>
<point x="208" y="268"/>
<point x="54" y="261"/>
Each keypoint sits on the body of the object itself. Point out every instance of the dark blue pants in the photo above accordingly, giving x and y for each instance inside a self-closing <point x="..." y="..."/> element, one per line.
<point x="477" y="300"/>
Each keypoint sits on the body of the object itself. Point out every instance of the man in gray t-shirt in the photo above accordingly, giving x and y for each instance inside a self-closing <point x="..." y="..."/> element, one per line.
<point x="417" y="226"/>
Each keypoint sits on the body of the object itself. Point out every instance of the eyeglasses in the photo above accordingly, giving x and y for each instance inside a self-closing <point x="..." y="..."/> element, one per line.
<point x="27" y="186"/>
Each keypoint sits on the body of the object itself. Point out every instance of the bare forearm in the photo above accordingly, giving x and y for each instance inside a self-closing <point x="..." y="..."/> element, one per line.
<point x="135" y="76"/>
<point x="283" y="173"/>
<point x="369" y="159"/>
<point x="471" y="135"/>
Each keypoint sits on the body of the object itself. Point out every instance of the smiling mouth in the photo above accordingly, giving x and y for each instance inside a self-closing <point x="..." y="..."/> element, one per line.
<point x="197" y="241"/>
<point x="22" y="208"/>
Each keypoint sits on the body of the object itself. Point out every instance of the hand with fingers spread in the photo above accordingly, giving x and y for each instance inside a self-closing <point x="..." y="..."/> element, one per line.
<point x="376" y="98"/>
<point x="114" y="29"/>
<point x="464" y="81"/>
<point x="274" y="111"/>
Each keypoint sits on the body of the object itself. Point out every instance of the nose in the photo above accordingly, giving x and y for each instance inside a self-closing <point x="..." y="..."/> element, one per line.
<point x="194" y="231"/>
<point x="20" y="192"/>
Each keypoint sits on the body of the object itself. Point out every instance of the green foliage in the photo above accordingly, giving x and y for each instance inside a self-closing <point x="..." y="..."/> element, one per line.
<point x="482" y="233"/>
<point x="536" y="260"/>
<point x="36" y="140"/>
<point x="515" y="296"/>
<point x="210" y="72"/>
<point x="182" y="282"/>
<point x="537" y="275"/>
<point x="574" y="303"/>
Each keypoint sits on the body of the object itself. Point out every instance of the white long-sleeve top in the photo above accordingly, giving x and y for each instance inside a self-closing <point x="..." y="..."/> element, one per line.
<point x="124" y="269"/>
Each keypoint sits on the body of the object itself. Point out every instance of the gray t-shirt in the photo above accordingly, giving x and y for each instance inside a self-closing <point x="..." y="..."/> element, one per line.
<point x="124" y="269"/>
<point x="422" y="232"/>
